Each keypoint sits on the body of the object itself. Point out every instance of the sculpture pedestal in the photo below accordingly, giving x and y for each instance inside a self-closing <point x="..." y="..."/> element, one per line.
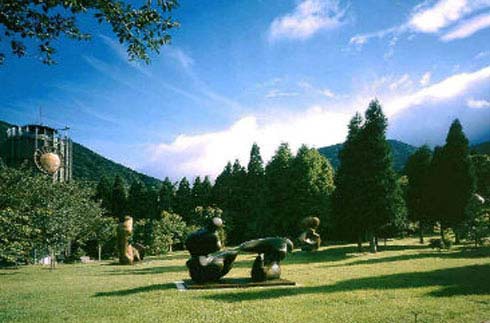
<point x="237" y="283"/>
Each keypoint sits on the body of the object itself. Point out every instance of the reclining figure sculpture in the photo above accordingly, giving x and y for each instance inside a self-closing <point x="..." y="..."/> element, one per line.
<point x="209" y="263"/>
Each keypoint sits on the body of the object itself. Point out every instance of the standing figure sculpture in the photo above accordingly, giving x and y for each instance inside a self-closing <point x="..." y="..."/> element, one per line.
<point x="309" y="240"/>
<point x="207" y="262"/>
<point x="270" y="253"/>
<point x="127" y="253"/>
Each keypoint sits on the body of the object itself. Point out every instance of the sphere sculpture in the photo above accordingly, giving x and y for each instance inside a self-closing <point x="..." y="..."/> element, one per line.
<point x="270" y="253"/>
<point x="127" y="253"/>
<point x="309" y="240"/>
<point x="208" y="262"/>
<point x="50" y="162"/>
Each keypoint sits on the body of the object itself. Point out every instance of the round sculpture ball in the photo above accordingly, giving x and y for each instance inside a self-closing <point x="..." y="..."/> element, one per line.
<point x="50" y="162"/>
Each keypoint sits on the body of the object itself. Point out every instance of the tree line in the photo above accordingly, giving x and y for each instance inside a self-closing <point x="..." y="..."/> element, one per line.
<point x="365" y="200"/>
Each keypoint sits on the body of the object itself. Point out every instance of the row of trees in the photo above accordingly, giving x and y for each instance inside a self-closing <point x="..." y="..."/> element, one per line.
<point x="443" y="184"/>
<point x="364" y="201"/>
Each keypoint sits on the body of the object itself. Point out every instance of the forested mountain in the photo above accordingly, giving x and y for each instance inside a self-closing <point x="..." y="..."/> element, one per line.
<point x="90" y="166"/>
<point x="400" y="152"/>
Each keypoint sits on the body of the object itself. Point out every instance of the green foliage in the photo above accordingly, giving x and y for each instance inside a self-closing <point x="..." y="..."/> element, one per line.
<point x="37" y="213"/>
<point x="119" y="199"/>
<point x="418" y="196"/>
<point x="142" y="29"/>
<point x="453" y="180"/>
<point x="167" y="195"/>
<point x="368" y="200"/>
<point x="160" y="235"/>
<point x="183" y="200"/>
<point x="399" y="150"/>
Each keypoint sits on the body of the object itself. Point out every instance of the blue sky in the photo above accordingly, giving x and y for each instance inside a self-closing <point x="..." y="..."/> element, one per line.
<point x="273" y="71"/>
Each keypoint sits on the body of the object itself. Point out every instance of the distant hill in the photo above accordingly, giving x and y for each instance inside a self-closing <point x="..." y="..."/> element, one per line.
<point x="400" y="151"/>
<point x="90" y="166"/>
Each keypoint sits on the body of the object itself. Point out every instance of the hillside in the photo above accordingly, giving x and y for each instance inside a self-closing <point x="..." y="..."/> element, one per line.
<point x="400" y="150"/>
<point x="90" y="166"/>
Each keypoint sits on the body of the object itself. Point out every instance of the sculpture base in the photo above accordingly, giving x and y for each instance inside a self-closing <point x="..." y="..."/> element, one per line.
<point x="237" y="283"/>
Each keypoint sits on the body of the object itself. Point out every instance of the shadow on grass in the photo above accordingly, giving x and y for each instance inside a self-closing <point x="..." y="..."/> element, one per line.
<point x="137" y="290"/>
<point x="149" y="270"/>
<point x="469" y="280"/>
<point x="430" y="253"/>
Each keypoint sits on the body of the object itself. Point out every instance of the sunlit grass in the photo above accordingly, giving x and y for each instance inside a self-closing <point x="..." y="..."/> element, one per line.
<point x="335" y="284"/>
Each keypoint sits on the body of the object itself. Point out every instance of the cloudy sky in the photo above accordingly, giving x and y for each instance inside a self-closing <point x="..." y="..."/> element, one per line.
<point x="265" y="71"/>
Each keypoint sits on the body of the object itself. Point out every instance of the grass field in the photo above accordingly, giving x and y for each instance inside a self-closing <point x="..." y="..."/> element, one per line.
<point x="405" y="282"/>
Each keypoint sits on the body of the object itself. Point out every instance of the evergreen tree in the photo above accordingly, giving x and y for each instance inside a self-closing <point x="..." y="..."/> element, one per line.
<point x="222" y="190"/>
<point x="254" y="190"/>
<point x="278" y="184"/>
<point x="418" y="196"/>
<point x="380" y="194"/>
<point x="457" y="178"/>
<point x="137" y="200"/>
<point x="119" y="199"/>
<point x="207" y="189"/>
<point x="183" y="200"/>
<point x="235" y="215"/>
<point x="197" y="193"/>
<point x="311" y="186"/>
<point x="348" y="221"/>
<point x="166" y="196"/>
<point x="103" y="193"/>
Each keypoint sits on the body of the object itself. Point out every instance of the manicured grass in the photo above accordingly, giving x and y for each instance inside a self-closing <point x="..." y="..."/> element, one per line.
<point x="335" y="284"/>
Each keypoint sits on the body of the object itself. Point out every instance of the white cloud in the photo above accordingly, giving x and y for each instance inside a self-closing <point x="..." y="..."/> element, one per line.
<point x="328" y="93"/>
<point x="478" y="104"/>
<point x="432" y="17"/>
<point x="207" y="153"/>
<point x="425" y="80"/>
<point x="403" y="82"/>
<point x="450" y="87"/>
<point x="442" y="14"/>
<point x="482" y="54"/>
<point x="185" y="60"/>
<point x="274" y="93"/>
<point x="468" y="27"/>
<point x="309" y="17"/>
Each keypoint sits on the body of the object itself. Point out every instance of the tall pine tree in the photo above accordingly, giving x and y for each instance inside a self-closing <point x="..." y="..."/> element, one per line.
<point x="457" y="178"/>
<point x="254" y="189"/>
<point x="348" y="221"/>
<point x="418" y="195"/>
<point x="380" y="194"/>
<point x="183" y="200"/>
<point x="278" y="186"/>
<point x="166" y="196"/>
<point x="119" y="199"/>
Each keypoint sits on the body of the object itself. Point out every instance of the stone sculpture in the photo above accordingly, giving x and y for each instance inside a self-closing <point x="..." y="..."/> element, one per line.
<point x="127" y="253"/>
<point x="310" y="240"/>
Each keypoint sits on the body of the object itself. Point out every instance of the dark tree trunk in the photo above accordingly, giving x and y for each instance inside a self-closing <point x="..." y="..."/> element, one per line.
<point x="456" y="237"/>
<point x="359" y="243"/>
<point x="421" y="232"/>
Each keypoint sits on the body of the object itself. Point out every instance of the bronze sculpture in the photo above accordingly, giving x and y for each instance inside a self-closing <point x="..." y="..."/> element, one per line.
<point x="310" y="240"/>
<point x="209" y="263"/>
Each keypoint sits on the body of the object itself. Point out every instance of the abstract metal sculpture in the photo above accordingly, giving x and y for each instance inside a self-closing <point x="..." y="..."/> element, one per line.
<point x="309" y="240"/>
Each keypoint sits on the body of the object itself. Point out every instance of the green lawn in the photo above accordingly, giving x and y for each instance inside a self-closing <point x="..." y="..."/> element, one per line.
<point x="335" y="284"/>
